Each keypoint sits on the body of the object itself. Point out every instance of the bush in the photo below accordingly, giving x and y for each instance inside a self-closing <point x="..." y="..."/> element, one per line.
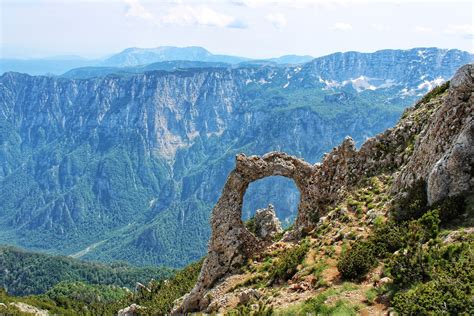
<point x="388" y="238"/>
<point x="413" y="205"/>
<point x="434" y="92"/>
<point x="413" y="264"/>
<point x="258" y="309"/>
<point x="451" y="208"/>
<point x="163" y="293"/>
<point x="357" y="262"/>
<point x="286" y="265"/>
<point x="251" y="225"/>
<point x="440" y="297"/>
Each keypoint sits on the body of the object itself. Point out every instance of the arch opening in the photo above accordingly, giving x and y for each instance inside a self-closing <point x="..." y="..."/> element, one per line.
<point x="279" y="191"/>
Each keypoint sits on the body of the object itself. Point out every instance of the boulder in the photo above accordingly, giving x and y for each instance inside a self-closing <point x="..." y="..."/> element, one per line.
<point x="267" y="224"/>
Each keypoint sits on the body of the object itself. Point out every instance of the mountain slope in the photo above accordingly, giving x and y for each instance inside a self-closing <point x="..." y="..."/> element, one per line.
<point x="132" y="165"/>
<point x="370" y="216"/>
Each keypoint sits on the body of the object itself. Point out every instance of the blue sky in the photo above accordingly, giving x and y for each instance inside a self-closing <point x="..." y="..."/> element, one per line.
<point x="252" y="28"/>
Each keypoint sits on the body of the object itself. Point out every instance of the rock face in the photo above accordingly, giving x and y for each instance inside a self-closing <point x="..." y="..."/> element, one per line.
<point x="432" y="141"/>
<point x="267" y="224"/>
<point x="443" y="154"/>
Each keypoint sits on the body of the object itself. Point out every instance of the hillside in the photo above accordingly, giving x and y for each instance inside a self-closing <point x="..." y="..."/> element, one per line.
<point x="383" y="228"/>
<point x="26" y="273"/>
<point x="388" y="225"/>
<point x="128" y="167"/>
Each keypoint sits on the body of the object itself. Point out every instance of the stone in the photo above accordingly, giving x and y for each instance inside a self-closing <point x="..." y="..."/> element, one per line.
<point x="248" y="296"/>
<point x="267" y="223"/>
<point x="452" y="174"/>
<point x="131" y="310"/>
<point x="383" y="281"/>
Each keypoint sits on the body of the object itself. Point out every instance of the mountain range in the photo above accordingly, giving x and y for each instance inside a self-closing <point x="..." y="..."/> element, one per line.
<point x="128" y="166"/>
<point x="134" y="57"/>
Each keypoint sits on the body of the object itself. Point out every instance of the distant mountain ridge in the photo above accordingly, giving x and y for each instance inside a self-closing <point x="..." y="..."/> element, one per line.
<point x="130" y="57"/>
<point x="143" y="56"/>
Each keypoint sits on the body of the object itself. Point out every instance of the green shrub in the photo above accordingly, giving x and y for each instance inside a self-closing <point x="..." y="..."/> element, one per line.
<point x="412" y="265"/>
<point x="434" y="92"/>
<point x="439" y="297"/>
<point x="409" y="267"/>
<point x="251" y="225"/>
<point x="451" y="208"/>
<point x="413" y="205"/>
<point x="371" y="295"/>
<point x="163" y="293"/>
<point x="258" y="309"/>
<point x="387" y="238"/>
<point x="286" y="265"/>
<point x="357" y="261"/>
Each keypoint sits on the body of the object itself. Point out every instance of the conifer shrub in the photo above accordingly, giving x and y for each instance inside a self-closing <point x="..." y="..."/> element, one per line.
<point x="251" y="225"/>
<point x="434" y="93"/>
<point x="356" y="262"/>
<point x="448" y="285"/>
<point x="451" y="208"/>
<point x="413" y="204"/>
<point x="286" y="266"/>
<point x="387" y="238"/>
<point x="413" y="264"/>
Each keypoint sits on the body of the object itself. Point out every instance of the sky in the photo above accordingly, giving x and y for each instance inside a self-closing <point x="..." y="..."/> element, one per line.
<point x="250" y="28"/>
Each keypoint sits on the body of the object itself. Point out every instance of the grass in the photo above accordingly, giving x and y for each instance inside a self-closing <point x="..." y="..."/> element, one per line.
<point x="371" y="295"/>
<point x="318" y="305"/>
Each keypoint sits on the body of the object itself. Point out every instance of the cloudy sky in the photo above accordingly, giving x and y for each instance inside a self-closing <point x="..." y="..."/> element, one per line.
<point x="251" y="28"/>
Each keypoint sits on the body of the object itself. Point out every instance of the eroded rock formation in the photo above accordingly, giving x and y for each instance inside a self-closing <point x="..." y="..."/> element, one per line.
<point x="267" y="224"/>
<point x="433" y="141"/>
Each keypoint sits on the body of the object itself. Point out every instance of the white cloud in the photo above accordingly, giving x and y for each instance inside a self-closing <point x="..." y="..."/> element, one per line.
<point x="423" y="29"/>
<point x="326" y="3"/>
<point x="135" y="9"/>
<point x="379" y="27"/>
<point x="277" y="19"/>
<point x="185" y="15"/>
<point x="466" y="30"/>
<point x="343" y="27"/>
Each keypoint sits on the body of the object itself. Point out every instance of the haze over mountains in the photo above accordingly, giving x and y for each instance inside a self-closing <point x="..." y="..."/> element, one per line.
<point x="126" y="163"/>
<point x="132" y="57"/>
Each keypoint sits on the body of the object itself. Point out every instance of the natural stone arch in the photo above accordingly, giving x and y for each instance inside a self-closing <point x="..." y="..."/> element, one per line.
<point x="231" y="243"/>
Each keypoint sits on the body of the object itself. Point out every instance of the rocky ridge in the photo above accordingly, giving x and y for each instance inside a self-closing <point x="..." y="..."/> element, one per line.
<point x="433" y="142"/>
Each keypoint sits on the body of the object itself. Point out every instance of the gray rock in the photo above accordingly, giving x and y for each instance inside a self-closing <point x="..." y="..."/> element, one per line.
<point x="131" y="310"/>
<point x="267" y="223"/>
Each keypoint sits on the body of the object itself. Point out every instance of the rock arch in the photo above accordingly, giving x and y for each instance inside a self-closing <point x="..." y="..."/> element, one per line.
<point x="231" y="243"/>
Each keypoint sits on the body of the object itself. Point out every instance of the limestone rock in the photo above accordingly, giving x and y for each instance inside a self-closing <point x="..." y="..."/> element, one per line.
<point x="131" y="310"/>
<point x="452" y="174"/>
<point x="267" y="223"/>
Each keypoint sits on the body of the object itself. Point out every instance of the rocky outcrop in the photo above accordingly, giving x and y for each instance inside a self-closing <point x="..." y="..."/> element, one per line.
<point x="433" y="141"/>
<point x="267" y="224"/>
<point x="131" y="310"/>
<point x="443" y="150"/>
